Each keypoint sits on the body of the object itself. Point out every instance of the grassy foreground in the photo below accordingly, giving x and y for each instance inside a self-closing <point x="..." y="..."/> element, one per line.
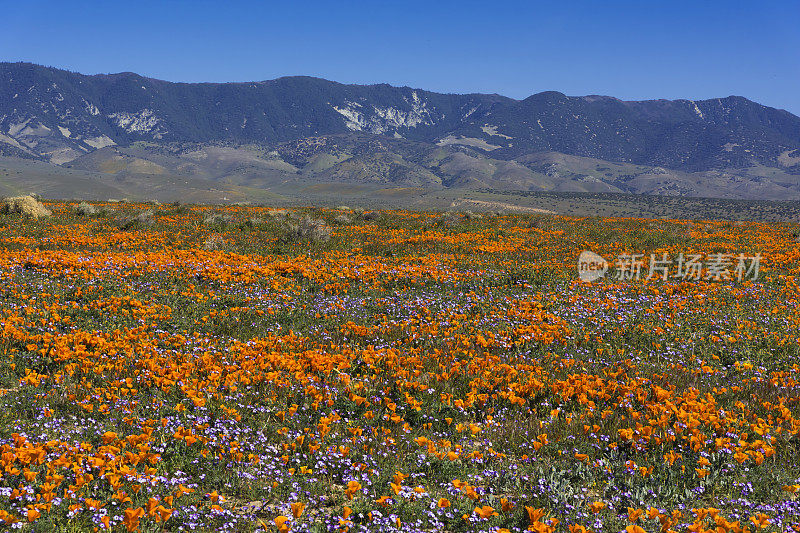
<point x="248" y="369"/>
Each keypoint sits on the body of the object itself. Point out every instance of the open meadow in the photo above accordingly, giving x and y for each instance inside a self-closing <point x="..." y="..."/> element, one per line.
<point x="196" y="368"/>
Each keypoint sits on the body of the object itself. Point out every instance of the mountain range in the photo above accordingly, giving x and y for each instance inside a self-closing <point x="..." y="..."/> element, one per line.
<point x="135" y="134"/>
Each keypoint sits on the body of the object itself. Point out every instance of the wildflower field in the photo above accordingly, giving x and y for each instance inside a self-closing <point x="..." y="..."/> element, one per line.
<point x="200" y="369"/>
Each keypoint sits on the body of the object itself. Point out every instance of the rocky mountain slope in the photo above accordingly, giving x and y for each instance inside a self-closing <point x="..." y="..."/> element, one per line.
<point x="298" y="129"/>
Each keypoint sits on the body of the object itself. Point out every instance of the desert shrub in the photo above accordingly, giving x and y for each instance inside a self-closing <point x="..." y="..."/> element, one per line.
<point x="447" y="220"/>
<point x="86" y="209"/>
<point x="214" y="242"/>
<point x="306" y="229"/>
<point x="142" y="220"/>
<point x="252" y="223"/>
<point x="24" y="205"/>
<point x="220" y="220"/>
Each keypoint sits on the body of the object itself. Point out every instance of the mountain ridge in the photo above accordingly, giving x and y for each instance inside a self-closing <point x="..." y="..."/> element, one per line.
<point x="60" y="117"/>
<point x="377" y="84"/>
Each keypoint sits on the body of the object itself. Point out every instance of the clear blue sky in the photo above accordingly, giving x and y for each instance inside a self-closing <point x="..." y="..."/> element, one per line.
<point x="632" y="50"/>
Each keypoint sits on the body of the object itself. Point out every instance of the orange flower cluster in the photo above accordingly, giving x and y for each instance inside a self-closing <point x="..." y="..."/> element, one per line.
<point x="149" y="382"/>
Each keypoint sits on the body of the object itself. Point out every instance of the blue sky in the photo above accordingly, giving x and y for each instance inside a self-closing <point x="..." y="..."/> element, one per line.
<point x="631" y="50"/>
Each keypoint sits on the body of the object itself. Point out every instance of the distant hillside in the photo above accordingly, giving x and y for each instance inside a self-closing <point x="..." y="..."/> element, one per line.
<point x="303" y="128"/>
